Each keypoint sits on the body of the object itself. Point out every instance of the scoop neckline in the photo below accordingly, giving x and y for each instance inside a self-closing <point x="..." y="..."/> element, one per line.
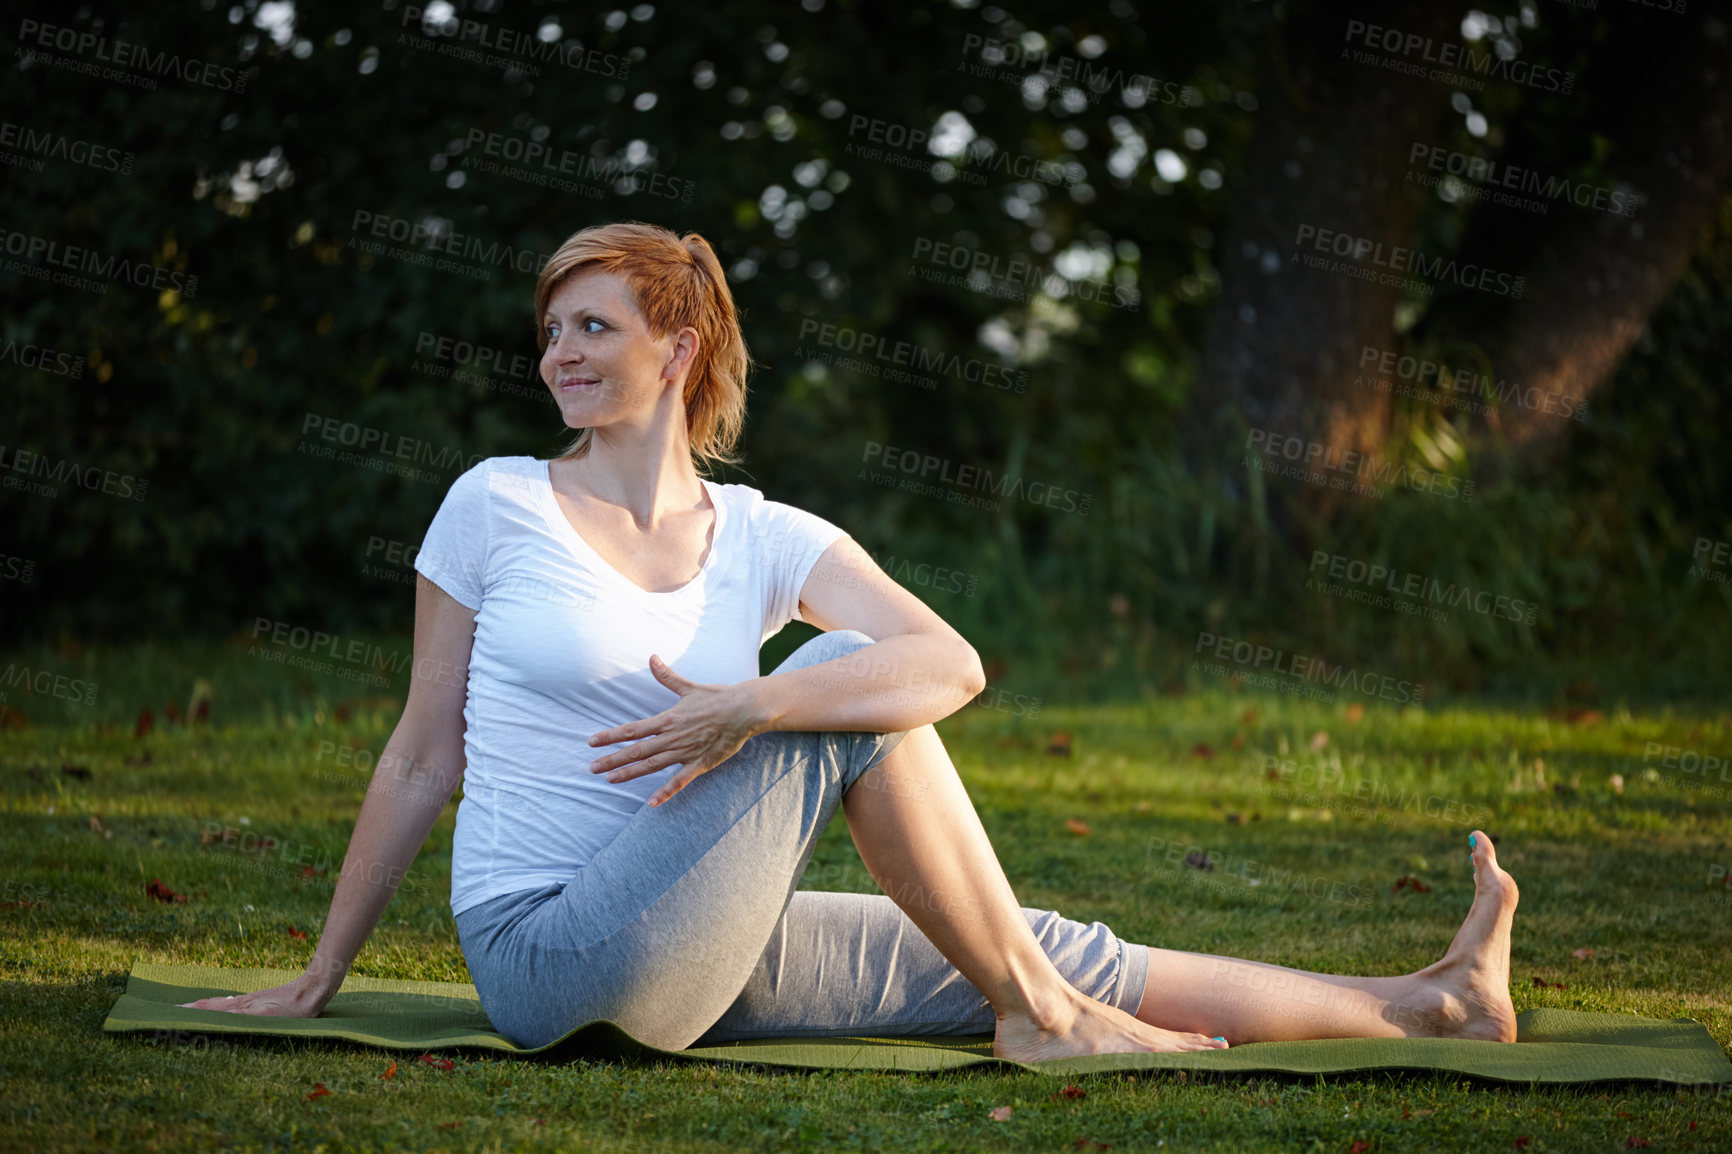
<point x="562" y="525"/>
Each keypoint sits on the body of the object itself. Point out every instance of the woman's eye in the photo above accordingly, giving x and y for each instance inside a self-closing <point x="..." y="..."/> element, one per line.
<point x="593" y="321"/>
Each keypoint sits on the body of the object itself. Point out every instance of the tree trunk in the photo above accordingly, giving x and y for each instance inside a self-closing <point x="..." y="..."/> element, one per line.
<point x="1329" y="152"/>
<point x="1593" y="278"/>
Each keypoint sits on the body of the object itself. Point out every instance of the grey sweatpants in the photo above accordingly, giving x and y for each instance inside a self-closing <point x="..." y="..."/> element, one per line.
<point x="687" y="928"/>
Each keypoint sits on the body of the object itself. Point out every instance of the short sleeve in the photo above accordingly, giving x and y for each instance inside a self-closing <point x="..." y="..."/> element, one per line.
<point x="453" y="555"/>
<point x="789" y="542"/>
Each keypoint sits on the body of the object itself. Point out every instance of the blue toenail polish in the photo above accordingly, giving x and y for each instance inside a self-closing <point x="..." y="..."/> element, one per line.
<point x="1220" y="1039"/>
<point x="1470" y="840"/>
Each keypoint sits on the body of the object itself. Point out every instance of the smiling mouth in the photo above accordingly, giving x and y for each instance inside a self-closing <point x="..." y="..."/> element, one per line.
<point x="568" y="385"/>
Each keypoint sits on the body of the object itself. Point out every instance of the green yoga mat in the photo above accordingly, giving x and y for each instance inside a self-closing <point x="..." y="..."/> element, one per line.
<point x="1557" y="1046"/>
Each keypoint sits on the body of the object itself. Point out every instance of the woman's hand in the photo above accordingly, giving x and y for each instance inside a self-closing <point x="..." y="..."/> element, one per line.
<point x="297" y="999"/>
<point x="704" y="728"/>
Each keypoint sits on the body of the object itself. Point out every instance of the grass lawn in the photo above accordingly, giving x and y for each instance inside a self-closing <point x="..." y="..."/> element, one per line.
<point x="1310" y="815"/>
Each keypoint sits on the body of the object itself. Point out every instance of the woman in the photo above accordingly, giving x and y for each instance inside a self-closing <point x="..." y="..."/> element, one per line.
<point x="657" y="889"/>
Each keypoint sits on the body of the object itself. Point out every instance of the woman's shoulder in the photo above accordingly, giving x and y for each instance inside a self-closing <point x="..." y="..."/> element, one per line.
<point x="768" y="520"/>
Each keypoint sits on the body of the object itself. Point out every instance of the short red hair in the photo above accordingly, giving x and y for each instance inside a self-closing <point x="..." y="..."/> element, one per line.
<point x="677" y="282"/>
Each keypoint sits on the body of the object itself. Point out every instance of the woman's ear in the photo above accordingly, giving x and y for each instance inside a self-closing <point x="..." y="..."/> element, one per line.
<point x="683" y="355"/>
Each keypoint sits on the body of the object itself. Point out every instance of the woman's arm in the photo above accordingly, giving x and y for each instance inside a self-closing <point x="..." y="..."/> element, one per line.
<point x="918" y="670"/>
<point x="416" y="775"/>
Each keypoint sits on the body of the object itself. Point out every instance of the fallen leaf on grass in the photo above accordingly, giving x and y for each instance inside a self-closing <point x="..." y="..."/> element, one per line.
<point x="1090" y="1144"/>
<point x="1584" y="952"/>
<point x="1521" y="1141"/>
<point x="298" y="935"/>
<point x="1238" y="741"/>
<point x="96" y="825"/>
<point x="319" y="1091"/>
<point x="1077" y="826"/>
<point x="999" y="1114"/>
<point x="1410" y="882"/>
<point x="1202" y="750"/>
<point x="145" y="721"/>
<point x="438" y="1063"/>
<point x="1072" y="1091"/>
<point x="1059" y="745"/>
<point x="1249" y="717"/>
<point x="1355" y="712"/>
<point x="390" y="1071"/>
<point x="449" y="1125"/>
<point x="162" y="893"/>
<point x="1541" y="982"/>
<point x="1235" y="819"/>
<point x="1359" y="1147"/>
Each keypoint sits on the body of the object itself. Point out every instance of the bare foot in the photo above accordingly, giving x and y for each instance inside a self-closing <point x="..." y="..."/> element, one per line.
<point x="1472" y="977"/>
<point x="1085" y="1026"/>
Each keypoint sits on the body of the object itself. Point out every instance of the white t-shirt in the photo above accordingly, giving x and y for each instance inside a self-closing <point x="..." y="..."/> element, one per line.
<point x="562" y="648"/>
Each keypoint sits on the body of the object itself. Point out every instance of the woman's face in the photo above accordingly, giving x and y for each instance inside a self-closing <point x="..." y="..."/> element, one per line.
<point x="602" y="363"/>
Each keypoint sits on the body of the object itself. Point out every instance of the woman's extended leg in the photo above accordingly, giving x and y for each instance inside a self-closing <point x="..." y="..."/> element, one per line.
<point x="1465" y="994"/>
<point x="921" y="840"/>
